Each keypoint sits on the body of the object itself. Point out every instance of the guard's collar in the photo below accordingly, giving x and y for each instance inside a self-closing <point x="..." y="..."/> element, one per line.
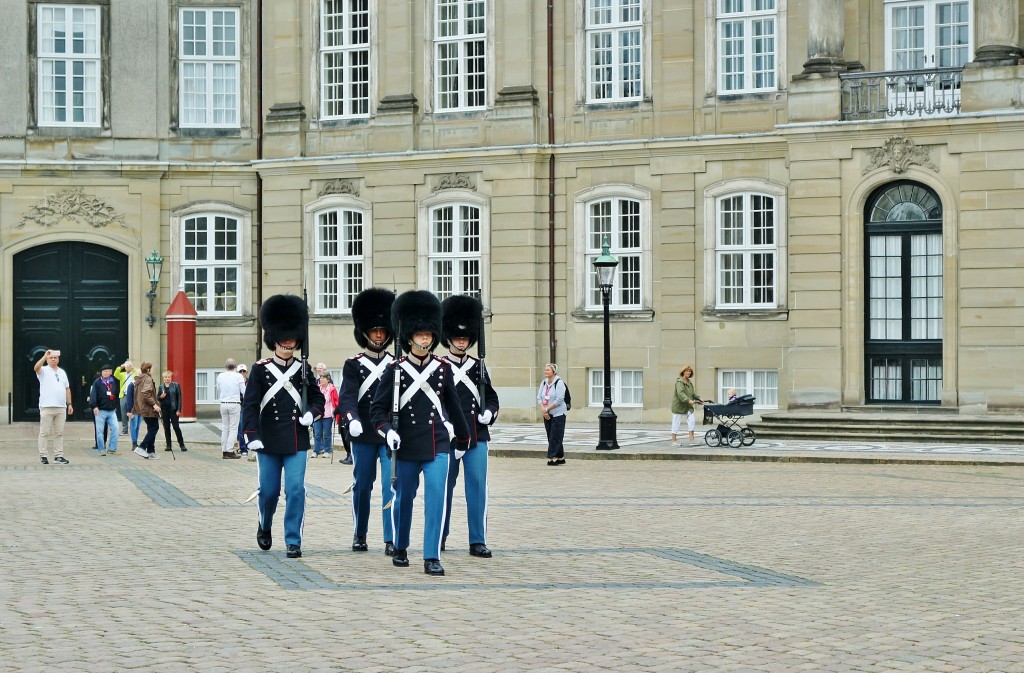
<point x="418" y="361"/>
<point x="455" y="357"/>
<point x="283" y="363"/>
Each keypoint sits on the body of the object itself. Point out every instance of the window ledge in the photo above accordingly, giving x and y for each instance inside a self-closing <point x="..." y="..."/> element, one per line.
<point x="733" y="314"/>
<point x="207" y="132"/>
<point x="339" y="122"/>
<point x="69" y="132"/>
<point x="615" y="315"/>
<point x="226" y="320"/>
<point x="330" y="318"/>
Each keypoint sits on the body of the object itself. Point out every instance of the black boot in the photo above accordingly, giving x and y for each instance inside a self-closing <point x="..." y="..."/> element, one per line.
<point x="359" y="543"/>
<point x="401" y="558"/>
<point x="432" y="566"/>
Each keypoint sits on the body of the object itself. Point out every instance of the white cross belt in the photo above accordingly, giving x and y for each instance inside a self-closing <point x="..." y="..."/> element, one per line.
<point x="282" y="379"/>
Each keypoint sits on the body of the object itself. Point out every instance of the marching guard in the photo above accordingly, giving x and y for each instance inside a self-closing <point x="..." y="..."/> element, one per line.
<point x="461" y="327"/>
<point x="371" y="313"/>
<point x="417" y="411"/>
<point x="276" y="424"/>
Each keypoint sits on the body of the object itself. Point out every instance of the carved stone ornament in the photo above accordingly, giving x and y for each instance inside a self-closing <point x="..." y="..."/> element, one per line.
<point x="454" y="181"/>
<point x="340" y="187"/>
<point x="72" y="204"/>
<point x="899" y="153"/>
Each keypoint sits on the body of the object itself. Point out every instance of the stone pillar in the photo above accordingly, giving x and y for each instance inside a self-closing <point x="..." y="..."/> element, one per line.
<point x="998" y="32"/>
<point x="825" y="38"/>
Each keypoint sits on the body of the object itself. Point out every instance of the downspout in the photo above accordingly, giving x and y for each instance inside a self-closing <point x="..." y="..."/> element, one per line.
<point x="259" y="176"/>
<point x="552" y="340"/>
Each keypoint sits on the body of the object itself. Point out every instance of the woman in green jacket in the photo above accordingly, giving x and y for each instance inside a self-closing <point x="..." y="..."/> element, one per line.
<point x="683" y="402"/>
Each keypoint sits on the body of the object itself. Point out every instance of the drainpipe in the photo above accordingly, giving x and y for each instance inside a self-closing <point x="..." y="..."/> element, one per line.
<point x="552" y="340"/>
<point x="259" y="177"/>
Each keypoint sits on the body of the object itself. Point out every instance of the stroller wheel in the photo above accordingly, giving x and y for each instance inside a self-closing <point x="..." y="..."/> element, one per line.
<point x="735" y="439"/>
<point x="712" y="437"/>
<point x="748" y="436"/>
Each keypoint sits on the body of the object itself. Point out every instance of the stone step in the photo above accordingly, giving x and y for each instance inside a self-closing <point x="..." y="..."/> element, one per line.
<point x="904" y="426"/>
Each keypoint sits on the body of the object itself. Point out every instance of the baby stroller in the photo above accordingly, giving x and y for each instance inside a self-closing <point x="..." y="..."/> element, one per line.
<point x="729" y="430"/>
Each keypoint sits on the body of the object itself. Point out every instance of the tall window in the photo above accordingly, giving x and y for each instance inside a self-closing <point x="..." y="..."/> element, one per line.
<point x="460" y="55"/>
<point x="618" y="219"/>
<point x="746" y="251"/>
<point x="69" y="65"/>
<point x="344" y="58"/>
<point x="209" y="68"/>
<point x="747" y="46"/>
<point x="627" y="387"/>
<point x="455" y="250"/>
<point x="339" y="259"/>
<point x="211" y="262"/>
<point x="763" y="384"/>
<point x="614" y="50"/>
<point x="928" y="34"/>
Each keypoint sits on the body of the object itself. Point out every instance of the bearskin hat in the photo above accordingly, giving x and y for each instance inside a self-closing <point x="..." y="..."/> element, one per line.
<point x="461" y="315"/>
<point x="283" y="317"/>
<point x="416" y="311"/>
<point x="372" y="308"/>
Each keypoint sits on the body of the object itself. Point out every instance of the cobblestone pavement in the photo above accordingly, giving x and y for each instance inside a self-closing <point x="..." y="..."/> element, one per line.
<point x="122" y="564"/>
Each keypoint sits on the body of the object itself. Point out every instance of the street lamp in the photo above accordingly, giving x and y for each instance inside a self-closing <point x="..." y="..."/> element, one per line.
<point x="605" y="267"/>
<point x="154" y="264"/>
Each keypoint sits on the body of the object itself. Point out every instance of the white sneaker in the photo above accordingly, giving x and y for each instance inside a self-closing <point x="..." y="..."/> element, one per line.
<point x="153" y="456"/>
<point x="139" y="451"/>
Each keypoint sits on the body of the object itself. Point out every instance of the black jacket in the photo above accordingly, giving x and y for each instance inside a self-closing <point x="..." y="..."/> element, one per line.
<point x="350" y="405"/>
<point x="277" y="424"/>
<point x="172" y="402"/>
<point x="469" y="387"/>
<point x="103" y="398"/>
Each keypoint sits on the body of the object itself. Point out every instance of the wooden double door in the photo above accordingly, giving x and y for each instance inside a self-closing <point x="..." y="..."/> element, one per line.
<point x="72" y="297"/>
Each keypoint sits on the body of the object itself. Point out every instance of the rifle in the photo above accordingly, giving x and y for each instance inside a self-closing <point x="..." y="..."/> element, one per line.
<point x="305" y="363"/>
<point x="396" y="392"/>
<point x="481" y="350"/>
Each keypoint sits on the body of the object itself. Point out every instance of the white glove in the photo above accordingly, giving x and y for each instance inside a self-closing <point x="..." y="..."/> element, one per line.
<point x="485" y="416"/>
<point x="451" y="430"/>
<point x="459" y="454"/>
<point x="306" y="419"/>
<point x="393" y="440"/>
<point x="355" y="428"/>
<point x="255" y="445"/>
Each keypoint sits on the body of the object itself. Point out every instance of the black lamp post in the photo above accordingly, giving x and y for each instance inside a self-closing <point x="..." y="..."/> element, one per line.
<point x="605" y="267"/>
<point x="154" y="264"/>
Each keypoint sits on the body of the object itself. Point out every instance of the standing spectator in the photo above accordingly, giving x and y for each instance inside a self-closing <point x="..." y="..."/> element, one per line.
<point x="229" y="392"/>
<point x="551" y="400"/>
<point x="124" y="374"/>
<point x="169" y="395"/>
<point x="683" y="399"/>
<point x="104" y="397"/>
<point x="147" y="406"/>
<point x="322" y="438"/>
<point x="54" y="406"/>
<point x="134" y="420"/>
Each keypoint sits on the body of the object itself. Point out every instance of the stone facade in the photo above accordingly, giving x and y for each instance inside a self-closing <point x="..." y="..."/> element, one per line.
<point x="673" y="150"/>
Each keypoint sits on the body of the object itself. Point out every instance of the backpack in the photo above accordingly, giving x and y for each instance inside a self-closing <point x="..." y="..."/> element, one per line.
<point x="568" y="396"/>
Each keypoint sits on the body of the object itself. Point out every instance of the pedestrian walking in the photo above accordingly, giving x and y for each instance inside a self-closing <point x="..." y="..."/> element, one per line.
<point x="104" y="398"/>
<point x="147" y="406"/>
<point x="551" y="400"/>
<point x="683" y="400"/>
<point x="229" y="394"/>
<point x="276" y="424"/>
<point x="425" y="426"/>
<point x="125" y="373"/>
<point x="360" y="376"/>
<point x="54" y="406"/>
<point x="461" y="325"/>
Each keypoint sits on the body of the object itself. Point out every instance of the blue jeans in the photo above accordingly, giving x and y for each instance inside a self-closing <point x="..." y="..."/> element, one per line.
<point x="269" y="467"/>
<point x="435" y="476"/>
<point x="322" y="435"/>
<point x="105" y="419"/>
<point x="133" y="428"/>
<point x="364" y="472"/>
<point x="475" y="464"/>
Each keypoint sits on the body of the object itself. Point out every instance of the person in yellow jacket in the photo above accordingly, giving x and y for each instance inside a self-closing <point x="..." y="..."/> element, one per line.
<point x="124" y="373"/>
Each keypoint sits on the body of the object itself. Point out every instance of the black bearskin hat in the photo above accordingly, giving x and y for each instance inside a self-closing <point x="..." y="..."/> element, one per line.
<point x="416" y="311"/>
<point x="372" y="308"/>
<point x="284" y="316"/>
<point x="461" y="315"/>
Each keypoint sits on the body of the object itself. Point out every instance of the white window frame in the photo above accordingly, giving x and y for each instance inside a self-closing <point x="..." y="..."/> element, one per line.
<point x="756" y="382"/>
<point x="206" y="385"/>
<point x="465" y="38"/>
<point x="209" y="69"/>
<point x="749" y="16"/>
<point x="336" y="203"/>
<point x="353" y="50"/>
<point x="427" y="256"/>
<point x="86" y="58"/>
<point x="712" y="64"/>
<point x="932" y="46"/>
<point x="243" y="264"/>
<point x="616" y="51"/>
<point x="588" y="243"/>
<point x="714" y="250"/>
<point x="595" y="386"/>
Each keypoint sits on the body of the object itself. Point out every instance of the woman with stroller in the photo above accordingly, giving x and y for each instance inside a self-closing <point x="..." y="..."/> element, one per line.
<point x="683" y="401"/>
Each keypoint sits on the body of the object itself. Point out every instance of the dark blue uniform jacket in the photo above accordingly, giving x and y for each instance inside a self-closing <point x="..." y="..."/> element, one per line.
<point x="469" y="384"/>
<point x="277" y="426"/>
<point x="350" y="405"/>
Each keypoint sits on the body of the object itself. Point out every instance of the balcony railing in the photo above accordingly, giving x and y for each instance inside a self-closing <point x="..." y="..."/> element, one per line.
<point x="932" y="92"/>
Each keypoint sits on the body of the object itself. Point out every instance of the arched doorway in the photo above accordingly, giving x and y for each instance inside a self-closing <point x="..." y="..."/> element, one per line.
<point x="74" y="297"/>
<point x="903" y="308"/>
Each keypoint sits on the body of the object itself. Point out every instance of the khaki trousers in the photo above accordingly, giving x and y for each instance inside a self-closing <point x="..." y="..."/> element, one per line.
<point x="51" y="425"/>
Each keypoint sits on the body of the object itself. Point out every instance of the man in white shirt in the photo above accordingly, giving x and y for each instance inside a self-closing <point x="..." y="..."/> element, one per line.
<point x="54" y="406"/>
<point x="230" y="385"/>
